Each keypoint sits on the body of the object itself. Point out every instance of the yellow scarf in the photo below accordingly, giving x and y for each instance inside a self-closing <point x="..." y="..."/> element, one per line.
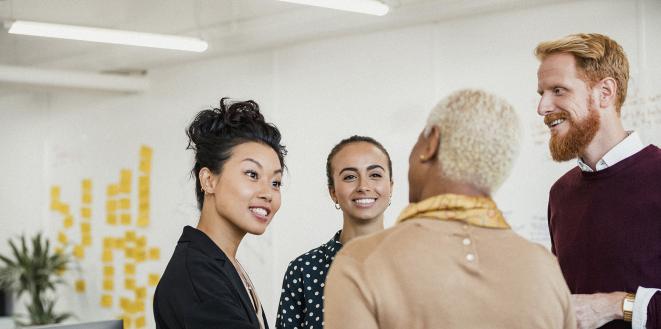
<point x="478" y="211"/>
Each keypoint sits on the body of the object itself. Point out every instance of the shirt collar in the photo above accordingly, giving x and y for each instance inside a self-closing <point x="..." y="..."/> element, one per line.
<point x="629" y="146"/>
<point x="333" y="245"/>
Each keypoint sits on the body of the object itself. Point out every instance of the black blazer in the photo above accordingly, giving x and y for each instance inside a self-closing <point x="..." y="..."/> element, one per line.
<point x="201" y="289"/>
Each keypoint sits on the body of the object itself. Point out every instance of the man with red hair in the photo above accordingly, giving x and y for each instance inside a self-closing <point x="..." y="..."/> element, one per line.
<point x="604" y="214"/>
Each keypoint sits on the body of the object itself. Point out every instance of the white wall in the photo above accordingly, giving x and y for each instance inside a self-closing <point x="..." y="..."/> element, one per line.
<point x="380" y="84"/>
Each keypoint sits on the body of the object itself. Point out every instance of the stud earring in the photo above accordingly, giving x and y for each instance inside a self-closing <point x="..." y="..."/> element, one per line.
<point x="337" y="206"/>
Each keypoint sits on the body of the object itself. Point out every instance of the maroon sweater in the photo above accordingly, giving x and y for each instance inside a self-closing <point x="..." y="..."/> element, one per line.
<point x="606" y="229"/>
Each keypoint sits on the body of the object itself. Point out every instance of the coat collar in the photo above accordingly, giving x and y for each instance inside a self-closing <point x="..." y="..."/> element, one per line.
<point x="200" y="241"/>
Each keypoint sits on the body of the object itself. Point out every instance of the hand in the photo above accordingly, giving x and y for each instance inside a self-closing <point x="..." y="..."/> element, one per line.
<point x="595" y="310"/>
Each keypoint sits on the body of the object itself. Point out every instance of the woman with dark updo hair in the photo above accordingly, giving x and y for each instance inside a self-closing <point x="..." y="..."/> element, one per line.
<point x="238" y="169"/>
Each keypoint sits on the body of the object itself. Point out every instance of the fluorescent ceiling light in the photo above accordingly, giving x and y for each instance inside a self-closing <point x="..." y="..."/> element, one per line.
<point x="371" y="7"/>
<point x="119" y="37"/>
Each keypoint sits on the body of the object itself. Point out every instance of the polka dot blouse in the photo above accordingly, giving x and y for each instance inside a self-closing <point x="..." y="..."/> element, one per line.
<point x="302" y="297"/>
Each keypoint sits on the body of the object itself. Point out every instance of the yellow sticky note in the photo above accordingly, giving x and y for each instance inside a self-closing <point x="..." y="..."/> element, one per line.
<point x="107" y="256"/>
<point x="85" y="228"/>
<point x="125" y="203"/>
<point x="108" y="284"/>
<point x="154" y="253"/>
<point x="106" y="301"/>
<point x="111" y="219"/>
<point x="108" y="243"/>
<point x="140" y="255"/>
<point x="86" y="184"/>
<point x="87" y="198"/>
<point x="141" y="242"/>
<point x="145" y="152"/>
<point x="55" y="205"/>
<point x="79" y="251"/>
<point x="145" y="166"/>
<point x="113" y="190"/>
<point x="120" y="243"/>
<point x="86" y="212"/>
<point x="143" y="182"/>
<point x="80" y="286"/>
<point x="129" y="283"/>
<point x="125" y="181"/>
<point x="129" y="269"/>
<point x="68" y="221"/>
<point x="126" y="219"/>
<point x="86" y="240"/>
<point x="144" y="201"/>
<point x="139" y="306"/>
<point x="153" y="279"/>
<point x="129" y="252"/>
<point x="64" y="209"/>
<point x="108" y="271"/>
<point x="143" y="221"/>
<point x="111" y="206"/>
<point x="140" y="321"/>
<point x="55" y="193"/>
<point x="127" y="322"/>
<point x="62" y="238"/>
<point x="125" y="304"/>
<point x="129" y="235"/>
<point x="140" y="293"/>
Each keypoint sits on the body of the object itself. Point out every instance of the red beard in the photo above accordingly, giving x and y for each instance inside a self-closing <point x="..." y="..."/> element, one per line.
<point x="577" y="138"/>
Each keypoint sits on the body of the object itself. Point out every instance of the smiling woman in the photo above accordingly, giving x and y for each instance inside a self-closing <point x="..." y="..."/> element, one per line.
<point x="359" y="173"/>
<point x="238" y="170"/>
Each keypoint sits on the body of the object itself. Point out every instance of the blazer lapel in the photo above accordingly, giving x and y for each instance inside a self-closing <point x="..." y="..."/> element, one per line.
<point x="237" y="283"/>
<point x="206" y="245"/>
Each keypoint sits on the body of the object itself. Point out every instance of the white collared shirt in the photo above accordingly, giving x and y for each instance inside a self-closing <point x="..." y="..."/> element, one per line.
<point x="629" y="146"/>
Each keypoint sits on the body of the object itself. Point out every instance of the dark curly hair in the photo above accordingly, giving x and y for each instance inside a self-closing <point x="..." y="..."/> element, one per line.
<point x="215" y="132"/>
<point x="347" y="141"/>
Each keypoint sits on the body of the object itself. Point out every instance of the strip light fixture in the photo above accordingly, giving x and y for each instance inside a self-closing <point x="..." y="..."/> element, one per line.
<point x="119" y="37"/>
<point x="371" y="7"/>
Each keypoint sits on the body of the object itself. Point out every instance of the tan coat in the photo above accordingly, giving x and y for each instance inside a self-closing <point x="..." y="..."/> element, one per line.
<point x="441" y="274"/>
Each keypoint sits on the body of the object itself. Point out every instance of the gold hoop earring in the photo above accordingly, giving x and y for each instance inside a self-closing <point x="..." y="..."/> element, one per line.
<point x="422" y="157"/>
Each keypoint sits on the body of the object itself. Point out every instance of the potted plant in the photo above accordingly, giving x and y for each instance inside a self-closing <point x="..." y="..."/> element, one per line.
<point x="34" y="271"/>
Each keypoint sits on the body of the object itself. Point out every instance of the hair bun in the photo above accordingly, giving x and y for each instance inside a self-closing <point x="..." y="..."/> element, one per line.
<point x="223" y="122"/>
<point x="234" y="113"/>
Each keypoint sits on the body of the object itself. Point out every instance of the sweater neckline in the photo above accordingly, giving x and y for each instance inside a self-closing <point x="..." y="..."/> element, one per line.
<point x="622" y="165"/>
